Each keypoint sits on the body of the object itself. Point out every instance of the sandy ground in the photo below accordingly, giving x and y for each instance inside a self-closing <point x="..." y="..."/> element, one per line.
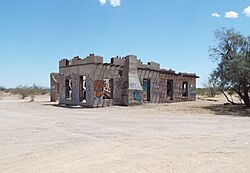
<point x="195" y="137"/>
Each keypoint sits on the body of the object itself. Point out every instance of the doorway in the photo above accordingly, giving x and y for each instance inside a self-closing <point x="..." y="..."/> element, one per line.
<point x="83" y="90"/>
<point x="170" y="90"/>
<point x="146" y="90"/>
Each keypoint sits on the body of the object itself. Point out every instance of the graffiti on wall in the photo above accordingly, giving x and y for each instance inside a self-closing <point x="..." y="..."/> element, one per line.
<point x="134" y="85"/>
<point x="119" y="83"/>
<point x="98" y="88"/>
<point x="134" y="82"/>
<point x="102" y="89"/>
<point x="145" y="85"/>
<point x="192" y="90"/>
<point x="137" y="95"/>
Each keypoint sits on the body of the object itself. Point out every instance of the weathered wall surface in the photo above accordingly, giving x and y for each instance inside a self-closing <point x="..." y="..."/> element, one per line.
<point x="95" y="72"/>
<point x="74" y="73"/>
<point x="177" y="88"/>
<point x="113" y="74"/>
<point x="134" y="86"/>
<point x="125" y="81"/>
<point x="54" y="87"/>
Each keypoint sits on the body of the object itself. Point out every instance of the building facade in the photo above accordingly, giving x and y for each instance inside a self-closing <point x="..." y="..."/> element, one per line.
<point x="126" y="81"/>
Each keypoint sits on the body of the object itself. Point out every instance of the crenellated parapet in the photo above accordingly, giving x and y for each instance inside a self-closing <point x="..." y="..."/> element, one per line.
<point x="118" y="61"/>
<point x="91" y="59"/>
<point x="121" y="61"/>
<point x="149" y="66"/>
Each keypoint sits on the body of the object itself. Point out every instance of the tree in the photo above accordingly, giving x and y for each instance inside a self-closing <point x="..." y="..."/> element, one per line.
<point x="211" y="86"/>
<point x="232" y="54"/>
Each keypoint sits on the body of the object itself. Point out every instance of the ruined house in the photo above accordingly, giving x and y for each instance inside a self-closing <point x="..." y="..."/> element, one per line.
<point x="89" y="82"/>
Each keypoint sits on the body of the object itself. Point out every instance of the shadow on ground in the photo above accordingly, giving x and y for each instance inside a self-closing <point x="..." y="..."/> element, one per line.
<point x="235" y="110"/>
<point x="65" y="106"/>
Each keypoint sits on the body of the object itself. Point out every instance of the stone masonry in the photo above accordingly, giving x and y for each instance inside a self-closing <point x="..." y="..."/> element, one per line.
<point x="126" y="81"/>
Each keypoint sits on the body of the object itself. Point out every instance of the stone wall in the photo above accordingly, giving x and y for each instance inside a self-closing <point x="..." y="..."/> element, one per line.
<point x="124" y="81"/>
<point x="54" y="87"/>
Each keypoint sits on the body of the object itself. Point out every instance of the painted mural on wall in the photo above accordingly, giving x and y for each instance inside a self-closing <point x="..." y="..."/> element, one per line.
<point x="102" y="89"/>
<point x="137" y="95"/>
<point x="98" y="88"/>
<point x="134" y="82"/>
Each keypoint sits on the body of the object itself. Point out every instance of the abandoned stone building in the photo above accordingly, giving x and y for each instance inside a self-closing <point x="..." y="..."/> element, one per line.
<point x="126" y="81"/>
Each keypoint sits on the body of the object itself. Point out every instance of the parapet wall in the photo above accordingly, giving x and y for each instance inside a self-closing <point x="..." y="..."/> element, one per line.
<point x="117" y="61"/>
<point x="121" y="61"/>
<point x="91" y="59"/>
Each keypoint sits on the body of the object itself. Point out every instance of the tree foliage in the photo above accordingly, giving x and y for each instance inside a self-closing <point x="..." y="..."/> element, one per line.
<point x="232" y="54"/>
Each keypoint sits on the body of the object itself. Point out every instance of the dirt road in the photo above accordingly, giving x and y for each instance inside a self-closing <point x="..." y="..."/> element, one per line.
<point x="41" y="138"/>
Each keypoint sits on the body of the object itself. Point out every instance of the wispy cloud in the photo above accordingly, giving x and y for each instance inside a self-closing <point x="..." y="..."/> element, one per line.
<point x="114" y="3"/>
<point x="216" y="14"/>
<point x="102" y="2"/>
<point x="231" y="15"/>
<point x="247" y="11"/>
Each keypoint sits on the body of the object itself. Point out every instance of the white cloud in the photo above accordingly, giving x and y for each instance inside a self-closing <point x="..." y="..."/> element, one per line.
<point x="102" y="2"/>
<point x="247" y="11"/>
<point x="215" y="14"/>
<point x="231" y="15"/>
<point x="115" y="3"/>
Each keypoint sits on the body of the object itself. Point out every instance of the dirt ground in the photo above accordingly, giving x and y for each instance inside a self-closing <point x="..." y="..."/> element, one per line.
<point x="197" y="137"/>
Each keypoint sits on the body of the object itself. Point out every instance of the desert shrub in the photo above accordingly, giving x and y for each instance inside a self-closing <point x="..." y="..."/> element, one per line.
<point x="4" y="89"/>
<point x="201" y="91"/>
<point x="38" y="90"/>
<point x="25" y="91"/>
<point x="210" y="91"/>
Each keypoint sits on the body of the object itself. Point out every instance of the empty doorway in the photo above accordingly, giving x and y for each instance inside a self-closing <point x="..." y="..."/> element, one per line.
<point x="170" y="90"/>
<point x="83" y="89"/>
<point x="68" y="89"/>
<point x="146" y="89"/>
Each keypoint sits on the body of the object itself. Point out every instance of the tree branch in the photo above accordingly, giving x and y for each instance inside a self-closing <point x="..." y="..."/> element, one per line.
<point x="227" y="97"/>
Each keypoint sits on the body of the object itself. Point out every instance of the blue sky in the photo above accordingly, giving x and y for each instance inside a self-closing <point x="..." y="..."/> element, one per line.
<point x="36" y="34"/>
